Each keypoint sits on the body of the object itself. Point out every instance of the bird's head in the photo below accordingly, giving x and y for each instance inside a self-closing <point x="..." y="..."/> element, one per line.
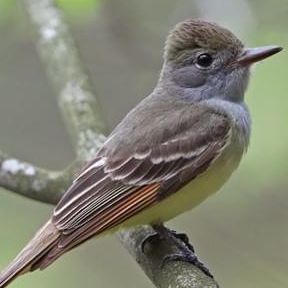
<point x="204" y="60"/>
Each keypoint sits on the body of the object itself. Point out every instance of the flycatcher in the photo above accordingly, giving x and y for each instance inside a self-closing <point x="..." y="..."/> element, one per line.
<point x="174" y="149"/>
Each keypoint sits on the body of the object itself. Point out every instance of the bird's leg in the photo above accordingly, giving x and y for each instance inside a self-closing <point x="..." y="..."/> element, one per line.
<point x="181" y="241"/>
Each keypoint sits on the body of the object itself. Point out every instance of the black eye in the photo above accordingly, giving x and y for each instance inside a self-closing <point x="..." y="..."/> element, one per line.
<point x="204" y="60"/>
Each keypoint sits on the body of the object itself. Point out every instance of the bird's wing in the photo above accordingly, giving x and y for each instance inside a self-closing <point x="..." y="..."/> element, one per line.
<point x="126" y="178"/>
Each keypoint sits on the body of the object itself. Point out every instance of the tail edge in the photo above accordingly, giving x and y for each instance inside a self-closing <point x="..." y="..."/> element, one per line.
<point x="35" y="249"/>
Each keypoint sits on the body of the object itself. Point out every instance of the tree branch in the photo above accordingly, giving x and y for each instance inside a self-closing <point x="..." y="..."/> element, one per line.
<point x="76" y="98"/>
<point x="34" y="182"/>
<point x="84" y="120"/>
<point x="174" y="273"/>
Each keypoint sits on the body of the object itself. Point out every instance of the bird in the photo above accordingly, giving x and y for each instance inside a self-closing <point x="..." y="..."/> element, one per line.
<point x="178" y="146"/>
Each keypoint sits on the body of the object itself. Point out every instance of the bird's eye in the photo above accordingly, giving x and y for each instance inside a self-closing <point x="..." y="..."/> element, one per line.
<point x="204" y="60"/>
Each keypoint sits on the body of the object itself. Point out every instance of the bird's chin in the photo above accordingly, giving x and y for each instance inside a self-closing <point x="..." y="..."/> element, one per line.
<point x="237" y="83"/>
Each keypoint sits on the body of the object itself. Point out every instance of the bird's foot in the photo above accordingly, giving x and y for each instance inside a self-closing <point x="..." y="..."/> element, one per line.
<point x="181" y="241"/>
<point x="184" y="238"/>
<point x="153" y="237"/>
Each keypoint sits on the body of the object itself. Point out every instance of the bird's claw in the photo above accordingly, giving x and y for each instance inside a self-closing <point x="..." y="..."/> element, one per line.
<point x="181" y="241"/>
<point x="184" y="238"/>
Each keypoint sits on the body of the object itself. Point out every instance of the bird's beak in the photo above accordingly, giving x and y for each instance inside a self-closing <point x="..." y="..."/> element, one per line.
<point x="252" y="55"/>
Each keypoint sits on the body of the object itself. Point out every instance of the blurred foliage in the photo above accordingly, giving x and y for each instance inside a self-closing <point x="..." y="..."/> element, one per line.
<point x="78" y="9"/>
<point x="268" y="103"/>
<point x="7" y="9"/>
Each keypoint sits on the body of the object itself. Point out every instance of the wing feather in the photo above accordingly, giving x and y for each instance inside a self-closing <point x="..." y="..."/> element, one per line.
<point x="126" y="178"/>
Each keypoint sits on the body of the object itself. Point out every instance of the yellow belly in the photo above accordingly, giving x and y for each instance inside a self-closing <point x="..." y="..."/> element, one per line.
<point x="193" y="193"/>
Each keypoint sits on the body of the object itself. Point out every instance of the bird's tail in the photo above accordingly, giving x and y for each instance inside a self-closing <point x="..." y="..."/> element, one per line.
<point x="42" y="242"/>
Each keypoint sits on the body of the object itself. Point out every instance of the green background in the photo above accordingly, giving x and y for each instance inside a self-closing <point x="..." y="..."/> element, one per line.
<point x="241" y="232"/>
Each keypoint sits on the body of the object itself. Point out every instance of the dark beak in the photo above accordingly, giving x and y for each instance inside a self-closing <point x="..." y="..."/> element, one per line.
<point x="252" y="55"/>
